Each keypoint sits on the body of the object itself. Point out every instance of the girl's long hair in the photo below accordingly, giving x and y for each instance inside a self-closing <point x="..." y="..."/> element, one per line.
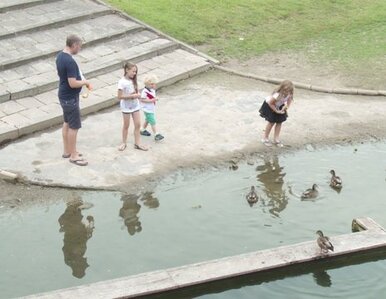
<point x="128" y="66"/>
<point x="286" y="85"/>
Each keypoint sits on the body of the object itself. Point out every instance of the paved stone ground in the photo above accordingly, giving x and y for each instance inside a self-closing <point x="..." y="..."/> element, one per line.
<point x="209" y="118"/>
<point x="33" y="32"/>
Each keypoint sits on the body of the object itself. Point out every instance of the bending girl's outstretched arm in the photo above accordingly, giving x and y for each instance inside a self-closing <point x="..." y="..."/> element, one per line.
<point x="271" y="104"/>
<point x="289" y="102"/>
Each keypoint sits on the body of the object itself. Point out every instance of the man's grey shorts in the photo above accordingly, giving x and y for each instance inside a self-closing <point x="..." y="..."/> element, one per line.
<point x="71" y="112"/>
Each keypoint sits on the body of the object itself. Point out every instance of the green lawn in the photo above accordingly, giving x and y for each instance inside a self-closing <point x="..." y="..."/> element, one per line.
<point x="338" y="30"/>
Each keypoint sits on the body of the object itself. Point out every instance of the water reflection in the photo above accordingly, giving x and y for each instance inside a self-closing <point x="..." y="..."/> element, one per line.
<point x="322" y="278"/>
<point x="149" y="200"/>
<point x="129" y="213"/>
<point x="76" y="233"/>
<point x="271" y="177"/>
<point x="131" y="207"/>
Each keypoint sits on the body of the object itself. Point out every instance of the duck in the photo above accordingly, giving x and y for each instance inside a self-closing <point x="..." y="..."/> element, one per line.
<point x="335" y="182"/>
<point x="252" y="196"/>
<point x="310" y="193"/>
<point x="324" y="242"/>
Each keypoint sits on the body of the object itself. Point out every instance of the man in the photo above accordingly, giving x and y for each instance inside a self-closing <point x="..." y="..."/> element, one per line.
<point x="70" y="85"/>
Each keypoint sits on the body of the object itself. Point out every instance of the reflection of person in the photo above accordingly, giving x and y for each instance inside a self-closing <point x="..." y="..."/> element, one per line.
<point x="70" y="85"/>
<point x="149" y="200"/>
<point x="271" y="176"/>
<point x="129" y="212"/>
<point x="76" y="234"/>
<point x="274" y="111"/>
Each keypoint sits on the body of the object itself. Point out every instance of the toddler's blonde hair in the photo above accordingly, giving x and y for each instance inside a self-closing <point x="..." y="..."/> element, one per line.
<point x="150" y="79"/>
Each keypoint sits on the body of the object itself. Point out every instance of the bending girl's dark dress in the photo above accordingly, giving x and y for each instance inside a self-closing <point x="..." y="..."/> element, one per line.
<point x="269" y="115"/>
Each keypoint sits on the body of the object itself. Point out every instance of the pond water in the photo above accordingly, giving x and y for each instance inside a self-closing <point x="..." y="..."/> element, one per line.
<point x="193" y="216"/>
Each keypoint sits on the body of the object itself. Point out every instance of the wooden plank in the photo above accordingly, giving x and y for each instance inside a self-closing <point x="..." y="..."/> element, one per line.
<point x="200" y="273"/>
<point x="366" y="224"/>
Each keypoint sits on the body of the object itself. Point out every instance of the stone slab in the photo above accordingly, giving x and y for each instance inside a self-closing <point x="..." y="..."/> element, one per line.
<point x="8" y="5"/>
<point x="29" y="102"/>
<point x="17" y="120"/>
<point x="91" y="31"/>
<point x="47" y="14"/>
<point x="32" y="81"/>
<point x="46" y="105"/>
<point x="11" y="107"/>
<point x="7" y="132"/>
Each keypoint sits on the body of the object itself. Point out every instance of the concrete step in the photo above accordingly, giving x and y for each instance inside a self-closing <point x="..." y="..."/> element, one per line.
<point x="31" y="114"/>
<point x="8" y="5"/>
<point x="33" y="46"/>
<point x="48" y="15"/>
<point x="40" y="76"/>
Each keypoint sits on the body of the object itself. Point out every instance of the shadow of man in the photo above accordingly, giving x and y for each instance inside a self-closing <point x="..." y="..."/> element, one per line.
<point x="76" y="233"/>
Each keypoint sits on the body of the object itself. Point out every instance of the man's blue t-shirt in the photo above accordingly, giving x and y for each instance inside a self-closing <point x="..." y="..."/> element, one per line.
<point x="67" y="68"/>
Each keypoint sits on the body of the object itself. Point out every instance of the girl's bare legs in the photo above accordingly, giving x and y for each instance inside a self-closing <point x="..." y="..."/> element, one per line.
<point x="125" y="130"/>
<point x="268" y="129"/>
<point x="145" y="125"/>
<point x="137" y="130"/>
<point x="277" y="133"/>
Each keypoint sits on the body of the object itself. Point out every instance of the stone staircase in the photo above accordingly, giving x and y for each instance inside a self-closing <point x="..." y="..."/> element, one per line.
<point x="32" y="32"/>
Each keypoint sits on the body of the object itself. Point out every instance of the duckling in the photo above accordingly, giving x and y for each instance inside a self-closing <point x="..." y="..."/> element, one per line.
<point x="335" y="182"/>
<point x="252" y="196"/>
<point x="324" y="242"/>
<point x="233" y="165"/>
<point x="310" y="193"/>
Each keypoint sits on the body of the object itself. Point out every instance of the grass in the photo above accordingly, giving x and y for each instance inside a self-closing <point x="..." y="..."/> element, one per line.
<point x="344" y="30"/>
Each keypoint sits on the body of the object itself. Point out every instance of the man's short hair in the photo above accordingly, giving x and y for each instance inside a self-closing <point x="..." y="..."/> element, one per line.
<point x="72" y="40"/>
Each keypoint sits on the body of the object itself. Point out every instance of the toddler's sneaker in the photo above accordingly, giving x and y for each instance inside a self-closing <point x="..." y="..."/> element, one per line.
<point x="145" y="133"/>
<point x="158" y="137"/>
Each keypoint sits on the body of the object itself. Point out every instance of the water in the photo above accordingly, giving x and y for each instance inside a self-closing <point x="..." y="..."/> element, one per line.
<point x="191" y="217"/>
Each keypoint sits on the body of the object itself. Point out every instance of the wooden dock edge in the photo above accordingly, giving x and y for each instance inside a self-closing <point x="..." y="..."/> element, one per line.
<point x="371" y="237"/>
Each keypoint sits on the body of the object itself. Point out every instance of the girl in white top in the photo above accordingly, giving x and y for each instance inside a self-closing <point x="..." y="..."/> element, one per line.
<point x="128" y="96"/>
<point x="274" y="110"/>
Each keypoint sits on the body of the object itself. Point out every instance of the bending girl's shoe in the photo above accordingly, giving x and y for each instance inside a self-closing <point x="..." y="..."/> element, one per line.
<point x="278" y="143"/>
<point x="266" y="142"/>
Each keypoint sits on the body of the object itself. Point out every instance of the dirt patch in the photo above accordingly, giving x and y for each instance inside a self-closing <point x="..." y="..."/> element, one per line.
<point x="297" y="66"/>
